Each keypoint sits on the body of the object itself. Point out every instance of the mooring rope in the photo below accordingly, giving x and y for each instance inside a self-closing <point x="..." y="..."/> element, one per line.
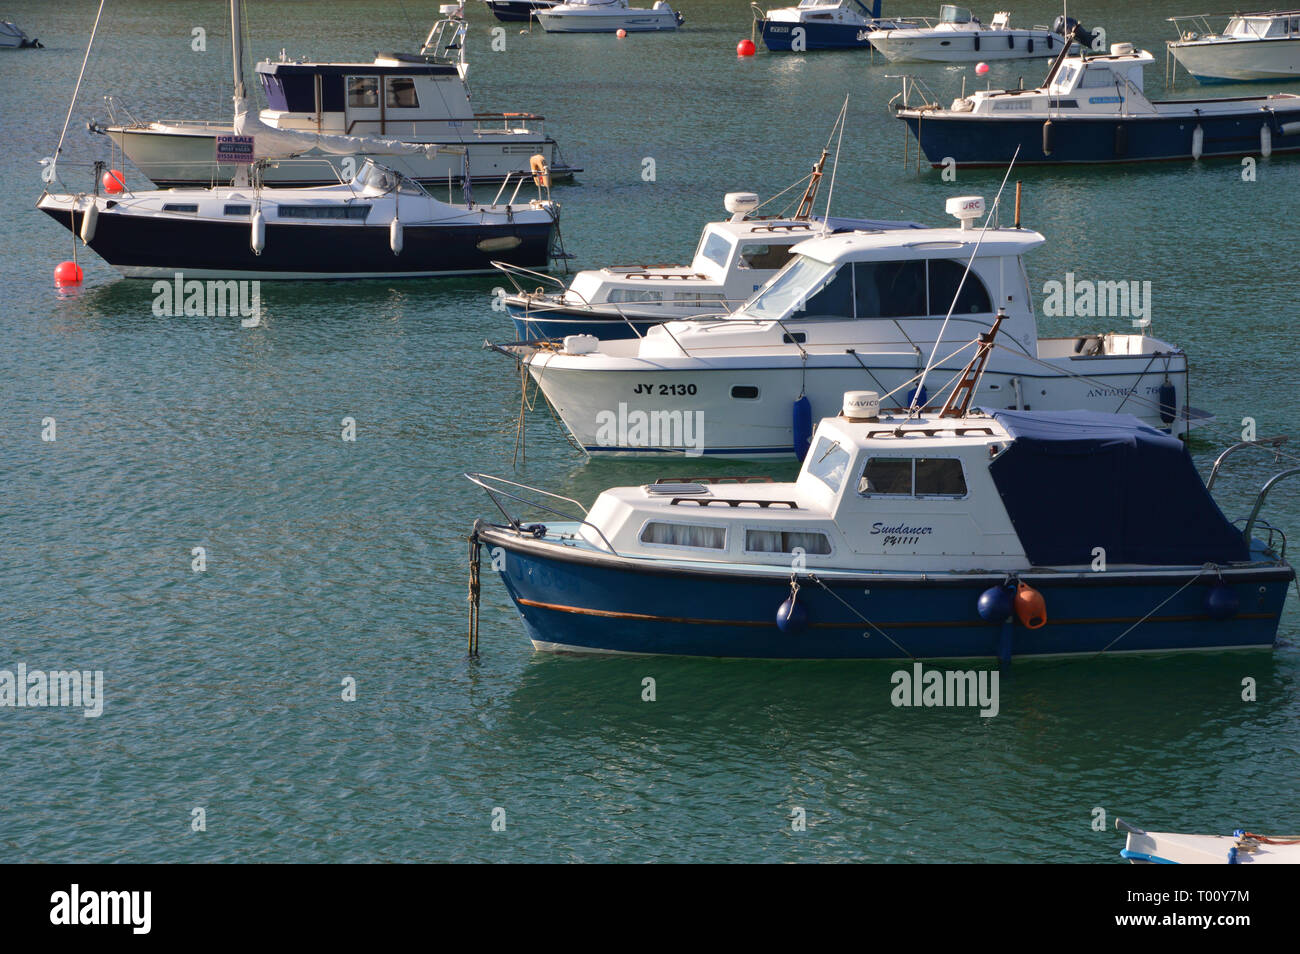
<point x="852" y="610"/>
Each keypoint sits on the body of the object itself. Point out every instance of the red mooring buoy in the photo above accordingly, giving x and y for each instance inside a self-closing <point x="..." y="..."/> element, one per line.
<point x="68" y="273"/>
<point x="745" y="48"/>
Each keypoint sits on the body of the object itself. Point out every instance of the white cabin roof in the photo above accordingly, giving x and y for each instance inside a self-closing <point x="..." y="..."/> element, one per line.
<point x="919" y="243"/>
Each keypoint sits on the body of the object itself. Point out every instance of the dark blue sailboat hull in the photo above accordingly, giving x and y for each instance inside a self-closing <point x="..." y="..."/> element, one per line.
<point x="779" y="37"/>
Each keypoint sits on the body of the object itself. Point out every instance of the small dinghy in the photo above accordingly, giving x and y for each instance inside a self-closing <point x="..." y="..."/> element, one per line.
<point x="1240" y="848"/>
<point x="607" y="16"/>
<point x="957" y="534"/>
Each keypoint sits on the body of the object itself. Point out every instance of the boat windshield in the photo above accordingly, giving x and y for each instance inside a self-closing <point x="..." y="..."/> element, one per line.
<point x="373" y="176"/>
<point x="715" y="247"/>
<point x="793" y="289"/>
<point x="828" y="462"/>
<point x="949" y="13"/>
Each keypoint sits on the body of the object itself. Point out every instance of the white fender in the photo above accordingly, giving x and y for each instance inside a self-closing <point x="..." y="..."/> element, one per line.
<point x="1265" y="141"/>
<point x="259" y="232"/>
<point x="89" y="221"/>
<point x="1198" y="141"/>
<point x="395" y="237"/>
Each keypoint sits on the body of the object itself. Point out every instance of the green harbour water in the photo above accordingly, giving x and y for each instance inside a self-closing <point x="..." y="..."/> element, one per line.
<point x="329" y="559"/>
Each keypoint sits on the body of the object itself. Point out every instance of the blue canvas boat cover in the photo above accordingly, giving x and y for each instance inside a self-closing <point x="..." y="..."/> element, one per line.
<point x="1075" y="480"/>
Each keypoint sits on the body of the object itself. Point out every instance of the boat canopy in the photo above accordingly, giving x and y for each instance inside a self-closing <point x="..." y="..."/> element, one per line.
<point x="1076" y="480"/>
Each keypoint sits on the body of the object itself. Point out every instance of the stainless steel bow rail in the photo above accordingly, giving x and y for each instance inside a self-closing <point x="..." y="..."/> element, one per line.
<point x="499" y="489"/>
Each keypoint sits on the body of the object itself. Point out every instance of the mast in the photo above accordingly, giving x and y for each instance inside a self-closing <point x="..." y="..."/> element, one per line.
<point x="237" y="48"/>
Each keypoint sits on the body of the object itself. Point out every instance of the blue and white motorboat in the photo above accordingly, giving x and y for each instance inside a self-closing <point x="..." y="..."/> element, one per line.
<point x="1092" y="109"/>
<point x="608" y="16"/>
<point x="734" y="258"/>
<point x="1250" y="47"/>
<point x="865" y="308"/>
<point x="821" y="25"/>
<point x="958" y="37"/>
<point x="1175" y="848"/>
<point x="944" y="535"/>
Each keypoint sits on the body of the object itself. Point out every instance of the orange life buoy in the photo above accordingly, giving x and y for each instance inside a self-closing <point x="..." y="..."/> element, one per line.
<point x="1031" y="608"/>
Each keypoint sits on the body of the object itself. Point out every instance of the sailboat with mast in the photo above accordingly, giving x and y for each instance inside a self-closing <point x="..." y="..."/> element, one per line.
<point x="380" y="224"/>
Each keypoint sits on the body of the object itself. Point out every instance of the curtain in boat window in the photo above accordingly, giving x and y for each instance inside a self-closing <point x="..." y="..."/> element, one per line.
<point x="684" y="535"/>
<point x="785" y="541"/>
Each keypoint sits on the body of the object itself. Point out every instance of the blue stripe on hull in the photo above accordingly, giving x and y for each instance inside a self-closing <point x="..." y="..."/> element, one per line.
<point x="779" y="37"/>
<point x="994" y="141"/>
<point x="611" y="609"/>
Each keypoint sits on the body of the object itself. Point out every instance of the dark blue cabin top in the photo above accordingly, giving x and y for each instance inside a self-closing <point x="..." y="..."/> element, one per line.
<point x="1076" y="480"/>
<point x="291" y="87"/>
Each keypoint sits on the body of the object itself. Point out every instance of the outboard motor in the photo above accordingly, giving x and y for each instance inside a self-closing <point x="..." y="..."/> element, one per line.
<point x="1065" y="26"/>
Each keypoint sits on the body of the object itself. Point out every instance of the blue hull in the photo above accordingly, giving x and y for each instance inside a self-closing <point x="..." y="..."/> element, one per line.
<point x="993" y="142"/>
<point x="779" y="37"/>
<point x="554" y="325"/>
<point x="597" y="604"/>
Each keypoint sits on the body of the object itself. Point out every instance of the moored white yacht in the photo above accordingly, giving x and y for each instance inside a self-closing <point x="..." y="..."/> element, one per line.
<point x="1249" y="47"/>
<point x="607" y="16"/>
<point x="852" y="310"/>
<point x="422" y="100"/>
<point x="957" y="36"/>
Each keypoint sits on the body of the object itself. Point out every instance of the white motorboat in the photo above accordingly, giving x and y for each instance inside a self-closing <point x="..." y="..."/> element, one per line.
<point x="422" y="100"/>
<point x="957" y="36"/>
<point x="734" y="258"/>
<point x="1249" y="47"/>
<point x="13" y="38"/>
<point x="853" y="310"/>
<point x="1175" y="848"/>
<point x="607" y="16"/>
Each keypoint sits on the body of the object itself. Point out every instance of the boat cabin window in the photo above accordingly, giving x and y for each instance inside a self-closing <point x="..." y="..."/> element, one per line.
<point x="828" y="462"/>
<point x="180" y="207"/>
<point x="1095" y="77"/>
<point x="949" y="13"/>
<point x="323" y="211"/>
<point x="889" y="289"/>
<point x="913" y="477"/>
<point x="764" y="256"/>
<point x="662" y="534"/>
<point x="1065" y="77"/>
<point x="634" y="295"/>
<point x="945" y="276"/>
<point x="786" y="541"/>
<point x="232" y="209"/>
<point x="401" y="93"/>
<point x="363" y="92"/>
<point x="716" y="247"/>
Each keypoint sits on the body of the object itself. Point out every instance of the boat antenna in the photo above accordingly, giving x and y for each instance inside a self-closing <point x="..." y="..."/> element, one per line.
<point x="959" y="401"/>
<point x="988" y="220"/>
<point x="835" y="166"/>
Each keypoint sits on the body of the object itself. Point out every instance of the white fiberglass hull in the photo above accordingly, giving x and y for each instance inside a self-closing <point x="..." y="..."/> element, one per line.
<point x="960" y="46"/>
<point x="633" y="21"/>
<point x="179" y="156"/>
<point x="1160" y="847"/>
<point x="740" y="408"/>
<point x="1239" y="60"/>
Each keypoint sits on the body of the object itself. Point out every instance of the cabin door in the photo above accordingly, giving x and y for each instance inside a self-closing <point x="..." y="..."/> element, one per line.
<point x="363" y="106"/>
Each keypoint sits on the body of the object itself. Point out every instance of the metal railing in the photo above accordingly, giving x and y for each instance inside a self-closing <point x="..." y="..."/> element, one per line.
<point x="496" y="489"/>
